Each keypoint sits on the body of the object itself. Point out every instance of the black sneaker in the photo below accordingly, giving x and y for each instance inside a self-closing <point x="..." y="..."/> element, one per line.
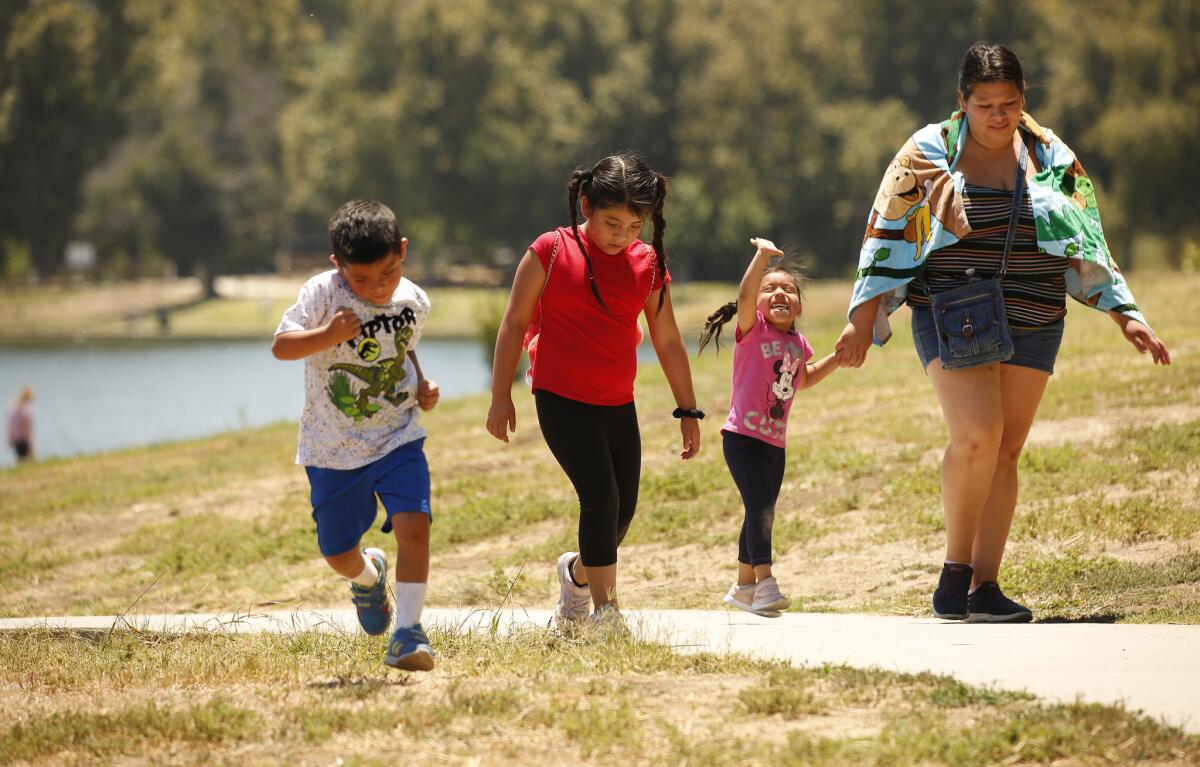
<point x="989" y="605"/>
<point x="950" y="599"/>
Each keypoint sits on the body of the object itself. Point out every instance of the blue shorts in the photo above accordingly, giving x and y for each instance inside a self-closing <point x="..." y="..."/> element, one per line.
<point x="343" y="500"/>
<point x="1036" y="348"/>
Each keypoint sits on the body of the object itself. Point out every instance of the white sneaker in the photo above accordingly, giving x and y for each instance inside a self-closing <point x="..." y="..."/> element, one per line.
<point x="768" y="597"/>
<point x="742" y="597"/>
<point x="573" y="601"/>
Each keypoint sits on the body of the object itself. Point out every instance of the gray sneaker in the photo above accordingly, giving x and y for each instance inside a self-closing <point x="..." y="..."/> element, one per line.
<point x="573" y="601"/>
<point x="607" y="620"/>
<point x="743" y="599"/>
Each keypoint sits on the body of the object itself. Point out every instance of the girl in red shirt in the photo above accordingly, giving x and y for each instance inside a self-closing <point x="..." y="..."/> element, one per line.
<point x="587" y="284"/>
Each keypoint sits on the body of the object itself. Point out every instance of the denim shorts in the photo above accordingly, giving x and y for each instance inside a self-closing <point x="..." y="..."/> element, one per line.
<point x="1035" y="348"/>
<point x="343" y="500"/>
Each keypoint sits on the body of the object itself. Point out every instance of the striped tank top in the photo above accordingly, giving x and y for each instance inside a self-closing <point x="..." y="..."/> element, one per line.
<point x="1035" y="289"/>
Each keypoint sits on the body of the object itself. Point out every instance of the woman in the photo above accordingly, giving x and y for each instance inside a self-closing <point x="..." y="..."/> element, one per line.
<point x="927" y="227"/>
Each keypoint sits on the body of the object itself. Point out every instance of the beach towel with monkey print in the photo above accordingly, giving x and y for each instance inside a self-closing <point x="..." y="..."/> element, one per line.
<point x="919" y="209"/>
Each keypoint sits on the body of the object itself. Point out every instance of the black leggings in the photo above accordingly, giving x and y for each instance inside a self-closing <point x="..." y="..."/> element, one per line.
<point x="757" y="470"/>
<point x="600" y="449"/>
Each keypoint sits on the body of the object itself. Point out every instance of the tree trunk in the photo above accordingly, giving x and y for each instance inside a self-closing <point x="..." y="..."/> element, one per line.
<point x="45" y="254"/>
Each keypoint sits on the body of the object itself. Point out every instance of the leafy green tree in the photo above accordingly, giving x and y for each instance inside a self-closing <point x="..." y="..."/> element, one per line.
<point x="58" y="114"/>
<point x="1122" y="86"/>
<point x="198" y="177"/>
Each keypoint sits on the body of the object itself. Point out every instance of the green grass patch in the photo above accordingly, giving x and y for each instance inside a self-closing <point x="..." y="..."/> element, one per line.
<point x="481" y="516"/>
<point x="1128" y="520"/>
<point x="783" y="695"/>
<point x="1072" y="587"/>
<point x="127" y="731"/>
<point x="205" y="545"/>
<point x="98" y="484"/>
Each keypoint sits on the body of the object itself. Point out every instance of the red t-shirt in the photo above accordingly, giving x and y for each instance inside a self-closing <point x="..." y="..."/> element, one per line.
<point x="585" y="351"/>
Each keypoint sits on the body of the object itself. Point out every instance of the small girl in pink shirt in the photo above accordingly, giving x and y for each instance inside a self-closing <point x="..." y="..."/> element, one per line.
<point x="770" y="364"/>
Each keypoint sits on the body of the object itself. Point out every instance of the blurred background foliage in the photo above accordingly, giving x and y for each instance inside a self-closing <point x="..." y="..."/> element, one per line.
<point x="202" y="136"/>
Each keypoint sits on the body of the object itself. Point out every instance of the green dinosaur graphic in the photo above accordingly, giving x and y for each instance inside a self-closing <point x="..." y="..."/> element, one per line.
<point x="381" y="379"/>
<point x="1070" y="223"/>
<point x="950" y="130"/>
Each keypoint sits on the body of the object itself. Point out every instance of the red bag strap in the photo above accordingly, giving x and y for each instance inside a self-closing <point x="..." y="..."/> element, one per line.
<point x="550" y="266"/>
<point x="535" y="322"/>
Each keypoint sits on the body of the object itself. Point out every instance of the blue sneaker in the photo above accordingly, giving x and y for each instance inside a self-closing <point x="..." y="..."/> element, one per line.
<point x="374" y="610"/>
<point x="409" y="650"/>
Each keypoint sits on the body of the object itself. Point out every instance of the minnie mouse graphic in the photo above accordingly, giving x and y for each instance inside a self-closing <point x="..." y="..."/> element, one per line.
<point x="782" y="388"/>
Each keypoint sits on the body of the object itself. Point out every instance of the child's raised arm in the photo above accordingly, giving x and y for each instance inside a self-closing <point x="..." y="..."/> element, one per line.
<point x="747" y="302"/>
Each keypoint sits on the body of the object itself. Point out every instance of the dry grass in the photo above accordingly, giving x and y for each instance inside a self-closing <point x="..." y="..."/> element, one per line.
<point x="1110" y="476"/>
<point x="531" y="698"/>
<point x="1107" y="529"/>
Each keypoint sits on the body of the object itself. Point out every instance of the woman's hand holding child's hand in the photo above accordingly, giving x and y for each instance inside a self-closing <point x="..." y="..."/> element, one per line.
<point x="852" y="346"/>
<point x="690" y="428"/>
<point x="344" y="325"/>
<point x="502" y="418"/>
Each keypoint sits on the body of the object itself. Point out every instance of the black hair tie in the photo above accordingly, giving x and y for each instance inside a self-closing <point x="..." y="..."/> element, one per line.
<point x="687" y="412"/>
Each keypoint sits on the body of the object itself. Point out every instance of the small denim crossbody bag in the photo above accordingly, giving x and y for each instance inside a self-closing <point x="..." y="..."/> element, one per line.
<point x="971" y="322"/>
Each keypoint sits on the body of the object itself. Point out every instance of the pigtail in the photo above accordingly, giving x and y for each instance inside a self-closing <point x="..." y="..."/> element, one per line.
<point x="660" y="226"/>
<point x="714" y="323"/>
<point x="575" y="187"/>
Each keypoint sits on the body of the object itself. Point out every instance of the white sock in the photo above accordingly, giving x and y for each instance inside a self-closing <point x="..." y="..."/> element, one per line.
<point x="410" y="599"/>
<point x="369" y="575"/>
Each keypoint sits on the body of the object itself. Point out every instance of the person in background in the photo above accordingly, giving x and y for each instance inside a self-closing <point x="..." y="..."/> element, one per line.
<point x="20" y="425"/>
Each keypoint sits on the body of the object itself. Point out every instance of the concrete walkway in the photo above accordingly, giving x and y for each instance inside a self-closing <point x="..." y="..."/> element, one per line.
<point x="1151" y="668"/>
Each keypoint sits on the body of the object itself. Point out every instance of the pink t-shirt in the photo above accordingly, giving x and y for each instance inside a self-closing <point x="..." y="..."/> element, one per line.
<point x="765" y="363"/>
<point x="20" y="424"/>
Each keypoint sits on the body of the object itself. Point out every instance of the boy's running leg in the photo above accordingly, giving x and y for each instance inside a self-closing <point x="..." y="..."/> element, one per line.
<point x="344" y="510"/>
<point x="367" y="571"/>
<point x="409" y="647"/>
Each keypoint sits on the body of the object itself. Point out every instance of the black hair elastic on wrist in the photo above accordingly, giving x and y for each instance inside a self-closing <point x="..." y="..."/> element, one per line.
<point x="687" y="412"/>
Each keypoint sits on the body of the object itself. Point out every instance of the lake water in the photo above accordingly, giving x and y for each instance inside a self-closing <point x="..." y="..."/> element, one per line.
<point x="91" y="399"/>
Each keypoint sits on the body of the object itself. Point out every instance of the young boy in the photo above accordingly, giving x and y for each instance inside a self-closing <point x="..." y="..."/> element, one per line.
<point x="356" y="327"/>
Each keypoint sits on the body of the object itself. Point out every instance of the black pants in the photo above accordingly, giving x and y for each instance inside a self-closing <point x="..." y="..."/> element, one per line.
<point x="600" y="449"/>
<point x="757" y="470"/>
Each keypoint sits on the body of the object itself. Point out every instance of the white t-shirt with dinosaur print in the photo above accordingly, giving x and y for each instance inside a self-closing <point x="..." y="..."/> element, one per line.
<point x="358" y="405"/>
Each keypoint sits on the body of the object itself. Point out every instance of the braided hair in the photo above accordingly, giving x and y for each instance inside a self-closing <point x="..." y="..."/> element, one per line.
<point x="621" y="179"/>
<point x="717" y="320"/>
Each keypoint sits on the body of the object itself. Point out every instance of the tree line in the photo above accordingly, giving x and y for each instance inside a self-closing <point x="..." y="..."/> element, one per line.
<point x="206" y="135"/>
